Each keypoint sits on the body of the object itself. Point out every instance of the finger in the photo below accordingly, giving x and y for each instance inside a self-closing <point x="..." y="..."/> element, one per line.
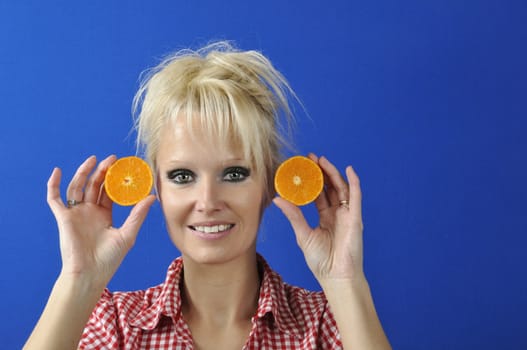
<point x="355" y="196"/>
<point x="330" y="193"/>
<point x="337" y="187"/>
<point x="53" y="194"/>
<point x="104" y="200"/>
<point x="322" y="201"/>
<point x="295" y="217"/>
<point x="76" y="186"/>
<point x="93" y="188"/>
<point x="137" y="216"/>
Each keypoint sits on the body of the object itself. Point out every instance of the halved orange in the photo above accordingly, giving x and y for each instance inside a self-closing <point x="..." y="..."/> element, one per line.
<point x="299" y="180"/>
<point x="128" y="180"/>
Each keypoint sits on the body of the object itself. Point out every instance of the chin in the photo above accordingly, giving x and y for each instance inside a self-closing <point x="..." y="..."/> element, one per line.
<point x="216" y="255"/>
<point x="209" y="258"/>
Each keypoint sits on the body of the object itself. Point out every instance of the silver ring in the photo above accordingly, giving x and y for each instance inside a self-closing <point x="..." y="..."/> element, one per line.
<point x="344" y="203"/>
<point x="72" y="202"/>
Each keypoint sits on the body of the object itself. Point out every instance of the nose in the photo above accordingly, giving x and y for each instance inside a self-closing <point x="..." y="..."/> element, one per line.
<point x="209" y="195"/>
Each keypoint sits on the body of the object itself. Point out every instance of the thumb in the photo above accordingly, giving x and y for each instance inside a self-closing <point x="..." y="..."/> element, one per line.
<point x="295" y="217"/>
<point x="137" y="216"/>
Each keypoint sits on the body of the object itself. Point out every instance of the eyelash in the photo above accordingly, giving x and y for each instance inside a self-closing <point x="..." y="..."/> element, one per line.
<point x="241" y="172"/>
<point x="177" y="175"/>
<point x="231" y="174"/>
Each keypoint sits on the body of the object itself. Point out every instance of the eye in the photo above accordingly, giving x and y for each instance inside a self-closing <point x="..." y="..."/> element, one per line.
<point x="181" y="176"/>
<point x="236" y="174"/>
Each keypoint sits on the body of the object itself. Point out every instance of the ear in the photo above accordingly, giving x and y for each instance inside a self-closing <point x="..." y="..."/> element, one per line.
<point x="267" y="198"/>
<point x="157" y="185"/>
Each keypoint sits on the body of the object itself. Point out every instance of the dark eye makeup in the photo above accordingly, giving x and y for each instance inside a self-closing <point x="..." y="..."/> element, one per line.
<point x="236" y="173"/>
<point x="229" y="174"/>
<point x="180" y="176"/>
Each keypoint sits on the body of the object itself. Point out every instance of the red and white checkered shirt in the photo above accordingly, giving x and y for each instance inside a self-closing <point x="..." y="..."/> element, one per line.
<point x="287" y="317"/>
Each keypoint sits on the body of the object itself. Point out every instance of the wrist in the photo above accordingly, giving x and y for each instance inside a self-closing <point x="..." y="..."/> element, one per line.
<point x="351" y="303"/>
<point x="69" y="306"/>
<point x="81" y="284"/>
<point x="345" y="287"/>
<point x="356" y="280"/>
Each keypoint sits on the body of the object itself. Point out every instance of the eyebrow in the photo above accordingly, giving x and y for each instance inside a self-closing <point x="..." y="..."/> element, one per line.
<point x="184" y="162"/>
<point x="177" y="164"/>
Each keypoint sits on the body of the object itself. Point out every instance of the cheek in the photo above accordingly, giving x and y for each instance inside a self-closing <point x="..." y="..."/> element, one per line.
<point x="251" y="203"/>
<point x="174" y="210"/>
<point x="175" y="219"/>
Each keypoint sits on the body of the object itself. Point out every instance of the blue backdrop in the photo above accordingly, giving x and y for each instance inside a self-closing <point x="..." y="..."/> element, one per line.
<point x="427" y="100"/>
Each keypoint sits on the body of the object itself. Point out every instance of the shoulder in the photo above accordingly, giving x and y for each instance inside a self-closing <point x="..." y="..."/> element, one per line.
<point x="119" y="309"/>
<point x="111" y="318"/>
<point x="303" y="315"/>
<point x="291" y="304"/>
<point x="116" y="314"/>
<point x="125" y="305"/>
<point x="128" y="305"/>
<point x="303" y="304"/>
<point x="305" y="300"/>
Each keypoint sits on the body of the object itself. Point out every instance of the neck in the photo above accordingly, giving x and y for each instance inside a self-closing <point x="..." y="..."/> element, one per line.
<point x="221" y="294"/>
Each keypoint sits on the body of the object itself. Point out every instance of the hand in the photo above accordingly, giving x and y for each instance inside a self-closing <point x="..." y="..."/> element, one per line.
<point x="90" y="247"/>
<point x="333" y="250"/>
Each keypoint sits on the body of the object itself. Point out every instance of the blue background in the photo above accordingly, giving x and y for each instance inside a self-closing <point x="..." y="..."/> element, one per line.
<point x="427" y="100"/>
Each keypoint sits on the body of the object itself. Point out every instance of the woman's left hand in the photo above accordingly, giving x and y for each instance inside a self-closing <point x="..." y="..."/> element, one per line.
<point x="333" y="250"/>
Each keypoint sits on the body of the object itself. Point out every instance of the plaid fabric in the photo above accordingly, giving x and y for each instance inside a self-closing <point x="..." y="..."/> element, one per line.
<point x="287" y="317"/>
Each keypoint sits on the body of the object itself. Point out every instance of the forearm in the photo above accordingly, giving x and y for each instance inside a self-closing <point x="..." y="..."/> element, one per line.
<point x="352" y="305"/>
<point x="68" y="308"/>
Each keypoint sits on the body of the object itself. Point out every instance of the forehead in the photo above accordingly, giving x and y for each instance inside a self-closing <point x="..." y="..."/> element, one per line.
<point x="184" y="140"/>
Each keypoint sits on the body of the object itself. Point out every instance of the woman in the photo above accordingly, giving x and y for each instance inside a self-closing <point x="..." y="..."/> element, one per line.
<point x="209" y="125"/>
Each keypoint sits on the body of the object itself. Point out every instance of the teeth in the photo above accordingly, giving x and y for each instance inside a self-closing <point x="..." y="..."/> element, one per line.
<point x="212" y="229"/>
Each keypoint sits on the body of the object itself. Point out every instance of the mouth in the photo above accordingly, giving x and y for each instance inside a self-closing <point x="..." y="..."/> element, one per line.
<point x="211" y="229"/>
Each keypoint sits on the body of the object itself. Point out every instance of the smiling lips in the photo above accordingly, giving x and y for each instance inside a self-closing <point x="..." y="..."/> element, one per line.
<point x="212" y="228"/>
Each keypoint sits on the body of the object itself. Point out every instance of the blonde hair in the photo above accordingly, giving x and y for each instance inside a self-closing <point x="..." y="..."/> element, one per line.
<point x="235" y="96"/>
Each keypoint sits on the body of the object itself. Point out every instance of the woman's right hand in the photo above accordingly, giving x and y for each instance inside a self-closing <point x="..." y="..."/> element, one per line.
<point x="90" y="246"/>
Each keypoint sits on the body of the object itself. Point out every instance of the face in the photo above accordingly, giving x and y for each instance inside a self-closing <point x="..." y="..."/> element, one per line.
<point x="211" y="199"/>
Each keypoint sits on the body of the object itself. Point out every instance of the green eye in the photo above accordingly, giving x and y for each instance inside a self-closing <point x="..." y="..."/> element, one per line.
<point x="180" y="176"/>
<point x="236" y="174"/>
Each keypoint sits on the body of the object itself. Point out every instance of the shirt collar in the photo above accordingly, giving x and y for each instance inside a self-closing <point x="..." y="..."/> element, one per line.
<point x="165" y="300"/>
<point x="273" y="300"/>
<point x="162" y="300"/>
